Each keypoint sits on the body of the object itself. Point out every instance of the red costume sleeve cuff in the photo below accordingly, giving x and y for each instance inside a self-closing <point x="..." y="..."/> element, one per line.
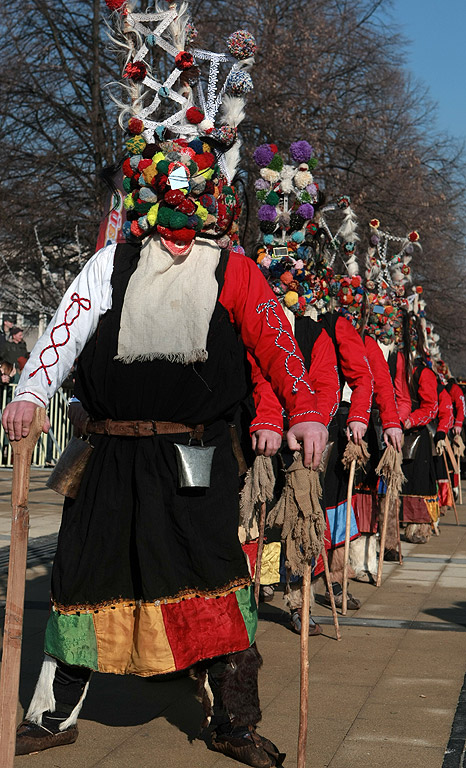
<point x="307" y="416"/>
<point x="256" y="425"/>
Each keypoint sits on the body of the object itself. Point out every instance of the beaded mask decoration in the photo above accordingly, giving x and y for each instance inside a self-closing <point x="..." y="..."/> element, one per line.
<point x="180" y="166"/>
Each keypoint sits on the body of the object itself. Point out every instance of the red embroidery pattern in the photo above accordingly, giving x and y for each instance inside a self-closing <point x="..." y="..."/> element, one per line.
<point x="26" y="392"/>
<point x="78" y="303"/>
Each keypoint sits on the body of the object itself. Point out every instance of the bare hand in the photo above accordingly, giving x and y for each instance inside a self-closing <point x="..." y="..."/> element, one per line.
<point x="265" y="442"/>
<point x="313" y="436"/>
<point x="457" y="430"/>
<point x="17" y="419"/>
<point x="79" y="418"/>
<point x="355" y="431"/>
<point x="407" y="424"/>
<point x="392" y="436"/>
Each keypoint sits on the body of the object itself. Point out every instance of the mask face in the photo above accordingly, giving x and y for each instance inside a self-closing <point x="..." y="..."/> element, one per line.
<point x="175" y="188"/>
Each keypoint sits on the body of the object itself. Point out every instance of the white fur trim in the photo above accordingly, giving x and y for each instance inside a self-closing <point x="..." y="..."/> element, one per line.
<point x="71" y="720"/>
<point x="43" y="699"/>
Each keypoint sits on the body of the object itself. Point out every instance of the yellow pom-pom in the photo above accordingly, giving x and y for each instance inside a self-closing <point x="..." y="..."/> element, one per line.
<point x="149" y="173"/>
<point x="152" y="214"/>
<point x="201" y="212"/>
<point x="158" y="157"/>
<point x="128" y="202"/>
<point x="291" y="298"/>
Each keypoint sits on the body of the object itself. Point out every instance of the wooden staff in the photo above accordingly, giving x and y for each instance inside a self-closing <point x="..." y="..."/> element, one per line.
<point x="14" y="609"/>
<point x="398" y="535"/>
<point x="454" y="464"/>
<point x="388" y="502"/>
<point x="260" y="549"/>
<point x="347" y="537"/>
<point x="450" y="485"/>
<point x="304" y="678"/>
<point x="330" y="592"/>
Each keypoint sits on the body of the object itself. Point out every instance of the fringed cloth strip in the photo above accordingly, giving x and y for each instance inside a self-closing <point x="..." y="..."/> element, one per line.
<point x="299" y="514"/>
<point x="258" y="488"/>
<point x="358" y="453"/>
<point x="458" y="445"/>
<point x="186" y="594"/>
<point x="389" y="467"/>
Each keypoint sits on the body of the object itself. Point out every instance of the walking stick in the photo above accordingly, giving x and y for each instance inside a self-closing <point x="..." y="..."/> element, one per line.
<point x="347" y="537"/>
<point x="13" y="631"/>
<point x="458" y="469"/>
<point x="330" y="592"/>
<point x="304" y="677"/>
<point x="260" y="549"/>
<point x="388" y="501"/>
<point x="450" y="486"/>
<point x="398" y="535"/>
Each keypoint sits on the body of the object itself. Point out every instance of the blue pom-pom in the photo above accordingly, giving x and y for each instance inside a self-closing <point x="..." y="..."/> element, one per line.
<point x="197" y="145"/>
<point x="268" y="239"/>
<point x="126" y="229"/>
<point x="298" y="237"/>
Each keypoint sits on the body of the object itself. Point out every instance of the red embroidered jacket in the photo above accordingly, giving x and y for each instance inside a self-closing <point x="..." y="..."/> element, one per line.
<point x="445" y="412"/>
<point x="383" y="386"/>
<point x="427" y="397"/>
<point x="248" y="299"/>
<point x="354" y="364"/>
<point x="456" y="394"/>
<point x="403" y="398"/>
<point x="323" y="374"/>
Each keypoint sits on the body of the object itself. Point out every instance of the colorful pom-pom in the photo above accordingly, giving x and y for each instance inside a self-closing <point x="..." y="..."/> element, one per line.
<point x="263" y="155"/>
<point x="135" y="70"/>
<point x="267" y="213"/>
<point x="135" y="144"/>
<point x="242" y="44"/>
<point x="306" y="211"/>
<point x="239" y="83"/>
<point x="194" y="116"/>
<point x="301" y="151"/>
<point x="184" y="60"/>
<point x="135" y="125"/>
<point x="115" y="5"/>
<point x="413" y="237"/>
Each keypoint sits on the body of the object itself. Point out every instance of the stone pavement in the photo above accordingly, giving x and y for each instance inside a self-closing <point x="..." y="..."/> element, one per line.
<point x="385" y="696"/>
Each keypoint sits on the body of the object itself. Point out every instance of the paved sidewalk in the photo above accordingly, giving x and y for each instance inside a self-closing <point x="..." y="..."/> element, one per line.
<point x="385" y="696"/>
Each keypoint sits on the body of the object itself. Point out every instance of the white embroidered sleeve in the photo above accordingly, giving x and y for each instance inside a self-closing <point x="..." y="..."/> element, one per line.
<point x="86" y="300"/>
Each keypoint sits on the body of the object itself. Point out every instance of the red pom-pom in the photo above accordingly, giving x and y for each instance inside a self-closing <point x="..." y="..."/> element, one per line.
<point x="186" y="206"/>
<point x="127" y="170"/>
<point x="356" y="281"/>
<point x="135" y="70"/>
<point x="273" y="147"/>
<point x="419" y="289"/>
<point x="135" y="125"/>
<point x="115" y="5"/>
<point x="194" y="115"/>
<point x="144" y="163"/>
<point x="136" y="229"/>
<point x="184" y="60"/>
<point x="204" y="161"/>
<point x="174" y="197"/>
<point x="413" y="236"/>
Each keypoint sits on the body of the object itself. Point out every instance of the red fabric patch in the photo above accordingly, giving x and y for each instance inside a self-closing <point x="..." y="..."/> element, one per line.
<point x="415" y="510"/>
<point x="250" y="550"/>
<point x="365" y="509"/>
<point x="201" y="628"/>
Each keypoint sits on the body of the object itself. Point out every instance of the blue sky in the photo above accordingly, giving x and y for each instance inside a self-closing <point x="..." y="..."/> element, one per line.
<point x="437" y="54"/>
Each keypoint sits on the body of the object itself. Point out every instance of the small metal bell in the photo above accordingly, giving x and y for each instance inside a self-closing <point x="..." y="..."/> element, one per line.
<point x="194" y="465"/>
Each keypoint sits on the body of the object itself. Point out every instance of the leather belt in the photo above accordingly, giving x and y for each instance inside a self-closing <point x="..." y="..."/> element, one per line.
<point x="142" y="428"/>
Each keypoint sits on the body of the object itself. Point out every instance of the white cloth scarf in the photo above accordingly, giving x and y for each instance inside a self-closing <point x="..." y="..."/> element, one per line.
<point x="168" y="304"/>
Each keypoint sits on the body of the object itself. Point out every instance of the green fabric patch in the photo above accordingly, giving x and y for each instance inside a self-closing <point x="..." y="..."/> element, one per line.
<point x="72" y="639"/>
<point x="247" y="606"/>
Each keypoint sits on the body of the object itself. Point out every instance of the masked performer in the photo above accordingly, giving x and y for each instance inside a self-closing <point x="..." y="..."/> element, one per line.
<point x="156" y="326"/>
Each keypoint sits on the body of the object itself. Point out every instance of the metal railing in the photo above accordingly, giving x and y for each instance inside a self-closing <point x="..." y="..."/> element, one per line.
<point x="50" y="446"/>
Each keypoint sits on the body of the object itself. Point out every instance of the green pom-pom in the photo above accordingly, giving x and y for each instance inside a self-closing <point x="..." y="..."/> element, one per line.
<point x="261" y="194"/>
<point x="142" y="206"/>
<point x="135" y="145"/>
<point x="178" y="220"/>
<point x="127" y="184"/>
<point x="272" y="198"/>
<point x="193" y="168"/>
<point x="305" y="198"/>
<point x="163" y="217"/>
<point x="162" y="167"/>
<point x="312" y="163"/>
<point x="228" y="191"/>
<point x="277" y="163"/>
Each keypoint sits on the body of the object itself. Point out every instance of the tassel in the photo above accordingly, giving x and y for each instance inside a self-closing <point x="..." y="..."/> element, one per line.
<point x="358" y="453"/>
<point x="258" y="488"/>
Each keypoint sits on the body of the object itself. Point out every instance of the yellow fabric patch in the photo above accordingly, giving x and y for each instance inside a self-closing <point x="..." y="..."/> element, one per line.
<point x="433" y="509"/>
<point x="131" y="639"/>
<point x="270" y="566"/>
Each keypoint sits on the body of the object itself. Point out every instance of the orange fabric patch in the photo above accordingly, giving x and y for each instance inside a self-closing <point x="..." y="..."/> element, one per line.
<point x="131" y="639"/>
